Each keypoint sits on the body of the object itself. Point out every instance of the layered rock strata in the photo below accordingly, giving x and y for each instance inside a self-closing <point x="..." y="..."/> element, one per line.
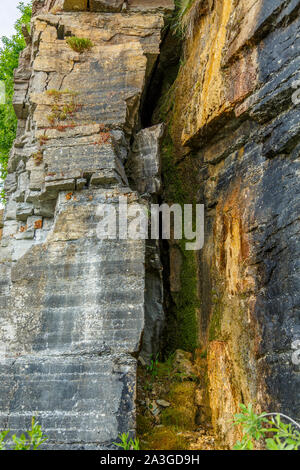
<point x="73" y="305"/>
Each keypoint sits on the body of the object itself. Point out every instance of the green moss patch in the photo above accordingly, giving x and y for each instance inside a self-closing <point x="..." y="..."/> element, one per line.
<point x="165" y="438"/>
<point x="183" y="316"/>
<point x="215" y="324"/>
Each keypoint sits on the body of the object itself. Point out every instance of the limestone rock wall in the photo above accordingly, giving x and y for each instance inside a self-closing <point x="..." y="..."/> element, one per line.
<point x="76" y="311"/>
<point x="73" y="306"/>
<point x="234" y="146"/>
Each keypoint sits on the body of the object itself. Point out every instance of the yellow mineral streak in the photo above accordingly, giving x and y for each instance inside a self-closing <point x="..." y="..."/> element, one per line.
<point x="211" y="101"/>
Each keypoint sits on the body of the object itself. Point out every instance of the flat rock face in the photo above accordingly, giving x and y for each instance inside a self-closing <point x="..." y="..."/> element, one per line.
<point x="81" y="414"/>
<point x="144" y="161"/>
<point x="73" y="304"/>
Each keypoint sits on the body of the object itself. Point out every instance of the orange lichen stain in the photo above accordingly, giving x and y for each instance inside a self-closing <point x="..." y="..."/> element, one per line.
<point x="38" y="224"/>
<point x="62" y="128"/>
<point x="43" y="140"/>
<point x="241" y="152"/>
<point x="103" y="139"/>
<point x="224" y="395"/>
<point x="69" y="196"/>
<point x="234" y="249"/>
<point x="23" y="228"/>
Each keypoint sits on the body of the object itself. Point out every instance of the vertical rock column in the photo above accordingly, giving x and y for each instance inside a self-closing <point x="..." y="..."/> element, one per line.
<point x="72" y="305"/>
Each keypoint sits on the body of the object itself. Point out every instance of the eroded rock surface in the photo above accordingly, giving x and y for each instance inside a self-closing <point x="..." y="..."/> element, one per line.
<point x="76" y="311"/>
<point x="234" y="143"/>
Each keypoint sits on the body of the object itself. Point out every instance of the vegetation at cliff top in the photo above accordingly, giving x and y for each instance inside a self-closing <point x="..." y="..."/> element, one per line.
<point x="271" y="434"/>
<point x="182" y="7"/>
<point x="35" y="438"/>
<point x="9" y="57"/>
<point x="79" y="44"/>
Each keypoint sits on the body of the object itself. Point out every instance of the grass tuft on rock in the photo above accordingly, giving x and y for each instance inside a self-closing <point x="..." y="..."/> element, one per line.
<point x="79" y="44"/>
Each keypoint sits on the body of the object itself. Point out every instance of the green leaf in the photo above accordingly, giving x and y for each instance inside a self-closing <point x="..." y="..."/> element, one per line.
<point x="9" y="57"/>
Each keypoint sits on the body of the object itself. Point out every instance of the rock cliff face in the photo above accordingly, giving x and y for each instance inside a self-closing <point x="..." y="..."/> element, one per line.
<point x="73" y="306"/>
<point x="234" y="145"/>
<point x="76" y="311"/>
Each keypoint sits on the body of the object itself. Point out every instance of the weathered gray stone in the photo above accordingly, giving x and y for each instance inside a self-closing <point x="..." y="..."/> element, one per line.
<point x="10" y="210"/>
<point x="144" y="165"/>
<point x="81" y="183"/>
<point x="26" y="235"/>
<point x="10" y="228"/>
<point x="105" y="177"/>
<point x="10" y="183"/>
<point x="154" y="303"/>
<point x="60" y="185"/>
<point x="85" y="414"/>
<point x="37" y="178"/>
<point x="24" y="210"/>
<point x="45" y="209"/>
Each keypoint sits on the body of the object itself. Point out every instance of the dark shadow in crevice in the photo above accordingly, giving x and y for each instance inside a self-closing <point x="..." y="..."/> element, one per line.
<point x="163" y="75"/>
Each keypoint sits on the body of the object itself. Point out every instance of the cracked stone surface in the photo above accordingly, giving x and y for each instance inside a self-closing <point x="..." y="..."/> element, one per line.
<point x="73" y="306"/>
<point x="235" y="118"/>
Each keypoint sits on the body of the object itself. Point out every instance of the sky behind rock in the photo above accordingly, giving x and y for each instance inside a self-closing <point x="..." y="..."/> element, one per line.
<point x="9" y="15"/>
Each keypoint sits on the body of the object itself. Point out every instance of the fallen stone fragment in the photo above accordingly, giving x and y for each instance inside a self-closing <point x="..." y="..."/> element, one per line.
<point x="154" y="409"/>
<point x="163" y="403"/>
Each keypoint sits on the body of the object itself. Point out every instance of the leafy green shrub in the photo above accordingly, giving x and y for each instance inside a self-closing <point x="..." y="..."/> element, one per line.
<point x="127" y="443"/>
<point x="152" y="368"/>
<point x="9" y="57"/>
<point x="35" y="438"/>
<point x="272" y="434"/>
<point x="79" y="44"/>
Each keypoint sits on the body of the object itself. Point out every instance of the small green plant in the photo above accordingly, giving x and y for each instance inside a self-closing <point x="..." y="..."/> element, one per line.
<point x="64" y="107"/>
<point x="34" y="439"/>
<point x="79" y="44"/>
<point x="152" y="368"/>
<point x="148" y="387"/>
<point x="266" y="429"/>
<point x="127" y="443"/>
<point x="38" y="157"/>
<point x="182" y="7"/>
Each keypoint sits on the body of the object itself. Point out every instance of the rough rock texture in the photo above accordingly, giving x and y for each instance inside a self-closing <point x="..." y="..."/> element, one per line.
<point x="77" y="311"/>
<point x="144" y="161"/>
<point x="234" y="146"/>
<point x="143" y="168"/>
<point x="73" y="305"/>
